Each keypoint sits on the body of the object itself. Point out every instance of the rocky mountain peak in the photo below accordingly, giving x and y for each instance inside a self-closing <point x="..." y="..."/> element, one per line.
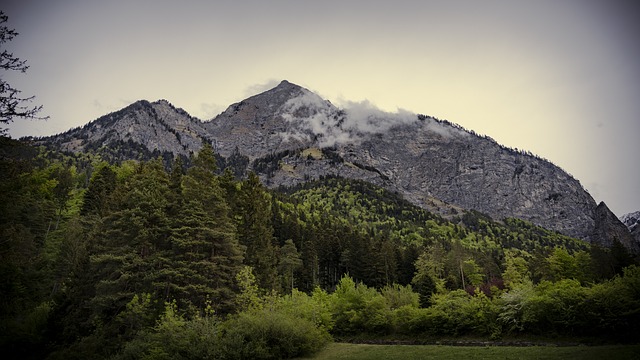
<point x="632" y="222"/>
<point x="154" y="128"/>
<point x="278" y="119"/>
<point x="608" y="228"/>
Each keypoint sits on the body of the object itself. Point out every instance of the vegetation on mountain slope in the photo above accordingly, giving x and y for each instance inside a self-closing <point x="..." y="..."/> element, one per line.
<point x="131" y="260"/>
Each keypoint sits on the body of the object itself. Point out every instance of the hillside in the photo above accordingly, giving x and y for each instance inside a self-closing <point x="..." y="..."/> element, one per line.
<point x="289" y="135"/>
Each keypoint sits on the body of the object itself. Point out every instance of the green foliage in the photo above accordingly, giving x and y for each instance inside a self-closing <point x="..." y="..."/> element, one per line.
<point x="255" y="232"/>
<point x="458" y="313"/>
<point x="270" y="335"/>
<point x="249" y="297"/>
<point x="554" y="307"/>
<point x="315" y="307"/>
<point x="358" y="308"/>
<point x="613" y="307"/>
<point x="255" y="334"/>
<point x="289" y="262"/>
<point x="398" y="296"/>
<point x="516" y="271"/>
<point x="92" y="251"/>
<point x="173" y="337"/>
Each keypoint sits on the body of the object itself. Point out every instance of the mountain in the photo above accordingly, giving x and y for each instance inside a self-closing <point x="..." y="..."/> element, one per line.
<point x="290" y="135"/>
<point x="632" y="222"/>
<point x="150" y="128"/>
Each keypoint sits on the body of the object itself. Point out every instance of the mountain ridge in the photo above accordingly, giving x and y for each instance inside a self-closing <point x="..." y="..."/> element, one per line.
<point x="290" y="135"/>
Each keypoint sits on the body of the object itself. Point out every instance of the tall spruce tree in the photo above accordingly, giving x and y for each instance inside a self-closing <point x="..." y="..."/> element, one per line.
<point x="207" y="255"/>
<point x="255" y="231"/>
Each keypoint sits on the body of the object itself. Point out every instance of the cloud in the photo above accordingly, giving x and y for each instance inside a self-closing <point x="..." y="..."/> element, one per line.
<point x="260" y="88"/>
<point x="209" y="111"/>
<point x="312" y="117"/>
<point x="310" y="114"/>
<point x="366" y="118"/>
<point x="446" y="131"/>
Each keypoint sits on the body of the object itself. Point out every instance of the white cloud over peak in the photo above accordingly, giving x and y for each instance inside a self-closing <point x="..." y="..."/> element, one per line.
<point x="312" y="115"/>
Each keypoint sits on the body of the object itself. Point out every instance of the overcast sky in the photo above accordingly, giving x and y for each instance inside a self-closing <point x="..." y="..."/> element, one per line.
<point x="560" y="78"/>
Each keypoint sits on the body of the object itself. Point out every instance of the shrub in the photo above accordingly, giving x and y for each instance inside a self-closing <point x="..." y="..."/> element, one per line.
<point x="315" y="308"/>
<point x="613" y="307"/>
<point x="458" y="313"/>
<point x="268" y="334"/>
<point x="174" y="338"/>
<point x="554" y="307"/>
<point x="358" y="309"/>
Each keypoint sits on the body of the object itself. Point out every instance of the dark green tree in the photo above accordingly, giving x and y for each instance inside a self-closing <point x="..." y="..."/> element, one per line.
<point x="102" y="184"/>
<point x="204" y="240"/>
<point x="290" y="262"/>
<point x="255" y="231"/>
<point x="131" y="243"/>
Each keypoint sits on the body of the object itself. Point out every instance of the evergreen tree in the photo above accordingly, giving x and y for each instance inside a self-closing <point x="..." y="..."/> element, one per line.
<point x="100" y="188"/>
<point x="289" y="262"/>
<point x="204" y="240"/>
<point x="255" y="231"/>
<point x="131" y="242"/>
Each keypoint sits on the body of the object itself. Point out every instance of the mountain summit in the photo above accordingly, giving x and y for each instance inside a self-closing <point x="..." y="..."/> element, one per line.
<point x="289" y="135"/>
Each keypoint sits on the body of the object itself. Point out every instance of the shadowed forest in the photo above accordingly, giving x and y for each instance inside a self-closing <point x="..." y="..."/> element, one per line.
<point x="140" y="260"/>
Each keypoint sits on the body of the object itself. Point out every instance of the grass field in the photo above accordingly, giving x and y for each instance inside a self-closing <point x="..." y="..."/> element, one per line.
<point x="344" y="351"/>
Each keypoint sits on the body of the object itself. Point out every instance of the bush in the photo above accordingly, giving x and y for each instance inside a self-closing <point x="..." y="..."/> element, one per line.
<point x="175" y="338"/>
<point x="359" y="309"/>
<point x="458" y="313"/>
<point x="315" y="308"/>
<point x="554" y="307"/>
<point x="268" y="334"/>
<point x="613" y="307"/>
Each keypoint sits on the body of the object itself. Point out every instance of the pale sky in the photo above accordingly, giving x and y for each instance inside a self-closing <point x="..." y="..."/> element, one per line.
<point x="560" y="78"/>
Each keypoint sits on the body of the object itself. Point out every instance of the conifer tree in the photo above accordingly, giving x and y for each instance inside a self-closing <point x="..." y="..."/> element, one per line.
<point x="256" y="232"/>
<point x="204" y="241"/>
<point x="101" y="186"/>
<point x="132" y="240"/>
<point x="289" y="262"/>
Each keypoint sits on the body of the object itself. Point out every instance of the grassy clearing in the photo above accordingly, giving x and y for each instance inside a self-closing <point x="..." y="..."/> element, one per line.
<point x="313" y="152"/>
<point x="344" y="351"/>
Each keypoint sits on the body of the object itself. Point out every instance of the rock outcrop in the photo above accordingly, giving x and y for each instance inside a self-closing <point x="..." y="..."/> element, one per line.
<point x="632" y="222"/>
<point x="157" y="126"/>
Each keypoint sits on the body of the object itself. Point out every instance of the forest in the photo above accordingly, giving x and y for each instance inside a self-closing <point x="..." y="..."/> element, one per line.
<point x="183" y="259"/>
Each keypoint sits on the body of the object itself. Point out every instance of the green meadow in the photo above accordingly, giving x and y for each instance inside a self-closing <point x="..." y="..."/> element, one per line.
<point x="345" y="351"/>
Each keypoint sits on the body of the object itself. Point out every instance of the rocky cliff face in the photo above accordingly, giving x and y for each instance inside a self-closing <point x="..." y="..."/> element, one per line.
<point x="291" y="135"/>
<point x="632" y="222"/>
<point x="264" y="124"/>
<point x="608" y="228"/>
<point x="157" y="126"/>
<point x="476" y="173"/>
